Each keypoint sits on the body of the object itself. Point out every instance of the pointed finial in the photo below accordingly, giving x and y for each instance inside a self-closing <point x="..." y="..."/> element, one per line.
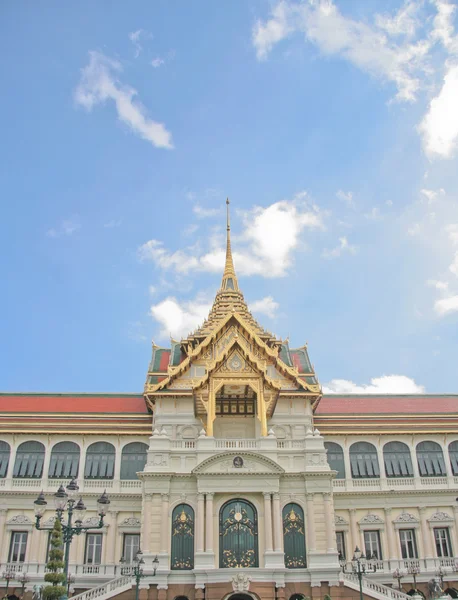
<point x="229" y="282"/>
<point x="228" y="221"/>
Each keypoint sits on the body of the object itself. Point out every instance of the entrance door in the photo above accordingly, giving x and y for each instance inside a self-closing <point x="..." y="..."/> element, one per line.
<point x="238" y="534"/>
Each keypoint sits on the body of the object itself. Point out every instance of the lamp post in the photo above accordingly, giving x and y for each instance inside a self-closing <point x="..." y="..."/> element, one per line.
<point x="23" y="579"/>
<point x="441" y="572"/>
<point x="398" y="574"/>
<point x="65" y="501"/>
<point x="70" y="580"/>
<point x="358" y="565"/>
<point x="8" y="575"/>
<point x="137" y="570"/>
<point x="414" y="571"/>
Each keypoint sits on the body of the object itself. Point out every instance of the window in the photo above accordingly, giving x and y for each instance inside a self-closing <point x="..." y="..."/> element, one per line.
<point x="18" y="546"/>
<point x="364" y="460"/>
<point x="4" y="458"/>
<point x="133" y="459"/>
<point x="442" y="539"/>
<point x="131" y="546"/>
<point x="100" y="461"/>
<point x="408" y="543"/>
<point x="93" y="554"/>
<point x="396" y="456"/>
<point x="182" y="537"/>
<point x="340" y="538"/>
<point x="453" y="452"/>
<point x="238" y="531"/>
<point x="294" y="536"/>
<point x="65" y="460"/>
<point x="430" y="459"/>
<point x="29" y="461"/>
<point x="336" y="459"/>
<point x="372" y="544"/>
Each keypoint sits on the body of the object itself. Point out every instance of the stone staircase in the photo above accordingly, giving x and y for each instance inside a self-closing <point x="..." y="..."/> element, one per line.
<point x="107" y="590"/>
<point x="373" y="589"/>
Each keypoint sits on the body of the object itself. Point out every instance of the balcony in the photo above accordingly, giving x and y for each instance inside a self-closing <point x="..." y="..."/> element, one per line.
<point x="394" y="484"/>
<point x="128" y="486"/>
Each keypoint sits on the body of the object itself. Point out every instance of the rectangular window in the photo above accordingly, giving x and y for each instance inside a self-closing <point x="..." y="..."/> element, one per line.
<point x="372" y="544"/>
<point x="93" y="555"/>
<point x="18" y="546"/>
<point x="131" y="546"/>
<point x="408" y="543"/>
<point x="340" y="537"/>
<point x="442" y="539"/>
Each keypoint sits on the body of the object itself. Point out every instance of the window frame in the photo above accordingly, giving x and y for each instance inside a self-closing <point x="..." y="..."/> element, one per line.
<point x="438" y="542"/>
<point x="104" y="461"/>
<point x="132" y="457"/>
<point x="29" y="464"/>
<point x="453" y="456"/>
<point x="5" y="457"/>
<point x="341" y="473"/>
<point x="65" y="456"/>
<point x="426" y="463"/>
<point x="366" y="465"/>
<point x="342" y="550"/>
<point x="99" y="536"/>
<point x="397" y="460"/>
<point x="22" y="543"/>
<point x="124" y="550"/>
<point x="405" y="544"/>
<point x="376" y="534"/>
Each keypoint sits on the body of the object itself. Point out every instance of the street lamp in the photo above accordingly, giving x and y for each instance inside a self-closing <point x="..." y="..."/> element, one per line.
<point x="8" y="575"/>
<point x="398" y="574"/>
<point x="137" y="569"/>
<point x="441" y="572"/>
<point x="65" y="501"/>
<point x="414" y="571"/>
<point x="70" y="580"/>
<point x="358" y="565"/>
<point x="23" y="579"/>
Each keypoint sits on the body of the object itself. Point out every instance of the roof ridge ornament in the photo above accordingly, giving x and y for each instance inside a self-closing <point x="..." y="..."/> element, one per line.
<point x="229" y="282"/>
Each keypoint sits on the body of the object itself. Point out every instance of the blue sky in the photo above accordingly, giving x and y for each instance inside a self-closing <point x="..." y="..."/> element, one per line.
<point x="332" y="127"/>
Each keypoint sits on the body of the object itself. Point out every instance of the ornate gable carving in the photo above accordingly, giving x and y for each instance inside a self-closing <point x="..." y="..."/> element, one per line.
<point x="338" y="520"/>
<point x="238" y="463"/>
<point x="371" y="519"/>
<point x="20" y="520"/>
<point x="440" y="516"/>
<point x="406" y="517"/>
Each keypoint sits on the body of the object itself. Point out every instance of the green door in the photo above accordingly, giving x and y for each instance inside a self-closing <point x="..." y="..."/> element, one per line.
<point x="238" y="534"/>
<point x="294" y="537"/>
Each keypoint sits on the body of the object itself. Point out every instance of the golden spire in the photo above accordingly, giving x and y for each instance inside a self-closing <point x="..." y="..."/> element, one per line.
<point x="229" y="282"/>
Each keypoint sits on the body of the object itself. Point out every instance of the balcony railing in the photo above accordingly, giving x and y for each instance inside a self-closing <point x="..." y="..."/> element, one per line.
<point x="391" y="483"/>
<point x="86" y="485"/>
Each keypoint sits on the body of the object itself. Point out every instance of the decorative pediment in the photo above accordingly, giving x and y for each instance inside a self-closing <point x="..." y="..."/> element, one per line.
<point x="440" y="516"/>
<point x="238" y="463"/>
<point x="371" y="519"/>
<point x="338" y="520"/>
<point x="19" y="520"/>
<point x="406" y="517"/>
<point x="130" y="523"/>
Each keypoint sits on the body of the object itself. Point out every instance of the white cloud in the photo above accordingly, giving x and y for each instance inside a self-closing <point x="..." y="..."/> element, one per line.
<point x="452" y="231"/>
<point x="439" y="285"/>
<point x="371" y="48"/>
<point x="99" y="83"/>
<point x="266" y="306"/>
<point x="136" y="36"/>
<point x="343" y="247"/>
<point x="66" y="228"/>
<point x="346" y="197"/>
<point x="204" y="213"/>
<point x="439" y="127"/>
<point x="178" y="320"/>
<point x="444" y="306"/>
<point x="157" y="62"/>
<point x="454" y="266"/>
<point x="432" y="195"/>
<point x="386" y="384"/>
<point x="443" y="30"/>
<point x="268" y="241"/>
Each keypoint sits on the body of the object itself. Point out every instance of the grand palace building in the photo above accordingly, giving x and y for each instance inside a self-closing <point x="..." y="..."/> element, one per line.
<point x="238" y="474"/>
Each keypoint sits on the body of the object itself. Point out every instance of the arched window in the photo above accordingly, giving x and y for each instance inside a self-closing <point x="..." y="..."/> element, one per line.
<point x="133" y="459"/>
<point x="238" y="534"/>
<point x="182" y="537"/>
<point x="453" y="453"/>
<point x="294" y="536"/>
<point x="336" y="459"/>
<point x="4" y="458"/>
<point x="30" y="457"/>
<point x="364" y="460"/>
<point x="65" y="460"/>
<point x="430" y="459"/>
<point x="297" y="597"/>
<point x="396" y="456"/>
<point x="100" y="461"/>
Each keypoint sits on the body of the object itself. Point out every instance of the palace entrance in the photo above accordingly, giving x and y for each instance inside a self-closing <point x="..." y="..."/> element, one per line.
<point x="238" y="534"/>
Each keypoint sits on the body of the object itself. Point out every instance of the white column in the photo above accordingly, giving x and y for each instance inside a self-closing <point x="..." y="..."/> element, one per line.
<point x="111" y="537"/>
<point x="165" y="524"/>
<point x="425" y="533"/>
<point x="209" y="522"/>
<point x="390" y="534"/>
<point x="355" y="538"/>
<point x="311" y="523"/>
<point x="348" y="478"/>
<point x="146" y="523"/>
<point x="34" y="537"/>
<point x="329" y="523"/>
<point x="200" y="523"/>
<point x="268" y="522"/>
<point x="278" y="529"/>
<point x="2" y="529"/>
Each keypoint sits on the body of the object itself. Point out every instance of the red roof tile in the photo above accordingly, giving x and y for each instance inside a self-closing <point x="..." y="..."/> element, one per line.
<point x="72" y="403"/>
<point x="384" y="404"/>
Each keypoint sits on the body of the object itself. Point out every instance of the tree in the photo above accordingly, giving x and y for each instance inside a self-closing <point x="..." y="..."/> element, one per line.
<point x="55" y="565"/>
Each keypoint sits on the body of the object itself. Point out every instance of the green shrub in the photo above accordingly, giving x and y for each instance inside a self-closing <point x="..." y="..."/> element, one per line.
<point x="55" y="566"/>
